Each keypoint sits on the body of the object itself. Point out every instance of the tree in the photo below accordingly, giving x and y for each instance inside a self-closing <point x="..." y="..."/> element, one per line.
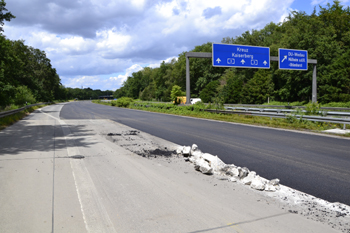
<point x="209" y="91"/>
<point x="4" y="16"/>
<point x="232" y="90"/>
<point x="259" y="88"/>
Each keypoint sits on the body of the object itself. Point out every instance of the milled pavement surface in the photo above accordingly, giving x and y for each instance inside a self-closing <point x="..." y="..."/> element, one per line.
<point x="101" y="176"/>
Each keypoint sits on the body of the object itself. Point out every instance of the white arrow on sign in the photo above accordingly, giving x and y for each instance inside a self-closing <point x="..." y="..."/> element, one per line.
<point x="243" y="61"/>
<point x="285" y="57"/>
<point x="218" y="60"/>
<point x="265" y="62"/>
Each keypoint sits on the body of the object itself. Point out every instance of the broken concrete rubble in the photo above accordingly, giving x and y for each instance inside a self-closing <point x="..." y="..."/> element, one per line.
<point x="203" y="166"/>
<point x="210" y="164"/>
<point x="215" y="163"/>
<point x="243" y="172"/>
<point x="272" y="185"/>
<point x="249" y="178"/>
<point x="258" y="184"/>
<point x="179" y="150"/>
<point x="186" y="151"/>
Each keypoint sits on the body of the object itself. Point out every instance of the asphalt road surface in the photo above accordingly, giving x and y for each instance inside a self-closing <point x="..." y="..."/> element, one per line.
<point x="315" y="164"/>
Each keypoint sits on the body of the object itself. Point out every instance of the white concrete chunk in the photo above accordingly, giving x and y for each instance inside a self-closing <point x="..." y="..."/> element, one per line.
<point x="274" y="182"/>
<point x="235" y="171"/>
<point x="203" y="166"/>
<point x="194" y="147"/>
<point x="179" y="150"/>
<point x="186" y="151"/>
<point x="258" y="184"/>
<point x="196" y="154"/>
<point x="248" y="180"/>
<point x="243" y="172"/>
<point x="272" y="185"/>
<point x="214" y="161"/>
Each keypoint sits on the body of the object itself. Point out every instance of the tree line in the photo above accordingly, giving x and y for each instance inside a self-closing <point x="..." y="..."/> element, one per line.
<point x="324" y="34"/>
<point x="26" y="74"/>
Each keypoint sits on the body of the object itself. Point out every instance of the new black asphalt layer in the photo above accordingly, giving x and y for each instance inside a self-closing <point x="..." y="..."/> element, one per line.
<point x="313" y="164"/>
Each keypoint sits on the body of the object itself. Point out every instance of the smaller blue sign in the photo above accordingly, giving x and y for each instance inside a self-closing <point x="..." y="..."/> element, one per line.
<point x="290" y="59"/>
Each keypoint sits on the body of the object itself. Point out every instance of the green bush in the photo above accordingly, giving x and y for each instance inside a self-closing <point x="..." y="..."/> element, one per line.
<point x="123" y="102"/>
<point x="312" y="108"/>
<point x="24" y="96"/>
<point x="337" y="105"/>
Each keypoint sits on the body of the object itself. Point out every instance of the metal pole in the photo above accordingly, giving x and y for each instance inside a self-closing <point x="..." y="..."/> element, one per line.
<point x="188" y="86"/>
<point x="314" y="85"/>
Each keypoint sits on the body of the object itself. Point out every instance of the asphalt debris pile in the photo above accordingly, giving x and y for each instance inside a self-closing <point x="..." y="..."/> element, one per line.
<point x="140" y="144"/>
<point x="77" y="157"/>
<point x="212" y="165"/>
<point x="163" y="152"/>
<point x="125" y="133"/>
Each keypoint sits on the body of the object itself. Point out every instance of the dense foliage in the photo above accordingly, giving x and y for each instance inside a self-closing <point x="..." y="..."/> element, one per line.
<point x="324" y="34"/>
<point x="68" y="93"/>
<point x="26" y="74"/>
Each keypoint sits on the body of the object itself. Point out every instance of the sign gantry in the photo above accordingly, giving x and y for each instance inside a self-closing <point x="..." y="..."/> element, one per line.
<point x="243" y="56"/>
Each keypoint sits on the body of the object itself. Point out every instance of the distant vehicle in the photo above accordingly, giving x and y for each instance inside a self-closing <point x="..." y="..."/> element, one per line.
<point x="181" y="100"/>
<point x="195" y="100"/>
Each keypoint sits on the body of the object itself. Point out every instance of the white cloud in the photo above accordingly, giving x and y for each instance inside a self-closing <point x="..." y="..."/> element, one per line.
<point x="82" y="81"/>
<point x="90" y="39"/>
<point x="122" y="77"/>
<point x="111" y="41"/>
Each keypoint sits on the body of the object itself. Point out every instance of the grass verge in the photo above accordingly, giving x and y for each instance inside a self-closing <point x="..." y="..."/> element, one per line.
<point x="196" y="110"/>
<point x="10" y="120"/>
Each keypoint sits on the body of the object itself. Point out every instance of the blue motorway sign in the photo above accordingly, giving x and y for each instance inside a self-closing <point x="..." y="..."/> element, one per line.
<point x="290" y="59"/>
<point x="241" y="56"/>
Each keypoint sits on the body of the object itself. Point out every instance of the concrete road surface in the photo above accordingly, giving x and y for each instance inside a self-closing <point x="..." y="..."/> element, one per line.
<point x="66" y="176"/>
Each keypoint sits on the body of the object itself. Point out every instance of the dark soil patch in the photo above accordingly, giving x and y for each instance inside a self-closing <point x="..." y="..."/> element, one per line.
<point x="77" y="157"/>
<point x="125" y="133"/>
<point x="156" y="153"/>
<point x="114" y="134"/>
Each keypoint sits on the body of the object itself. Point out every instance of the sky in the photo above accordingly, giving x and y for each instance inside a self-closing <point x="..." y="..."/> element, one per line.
<point x="99" y="43"/>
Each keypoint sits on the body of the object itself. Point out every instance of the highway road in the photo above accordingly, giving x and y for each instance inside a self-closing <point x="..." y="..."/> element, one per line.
<point x="68" y="175"/>
<point x="315" y="164"/>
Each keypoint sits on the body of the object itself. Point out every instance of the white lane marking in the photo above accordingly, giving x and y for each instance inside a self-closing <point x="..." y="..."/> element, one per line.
<point x="95" y="216"/>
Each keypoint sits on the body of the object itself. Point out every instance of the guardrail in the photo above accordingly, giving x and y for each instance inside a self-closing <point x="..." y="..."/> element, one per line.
<point x="323" y="113"/>
<point x="283" y="106"/>
<point x="285" y="113"/>
<point x="8" y="113"/>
